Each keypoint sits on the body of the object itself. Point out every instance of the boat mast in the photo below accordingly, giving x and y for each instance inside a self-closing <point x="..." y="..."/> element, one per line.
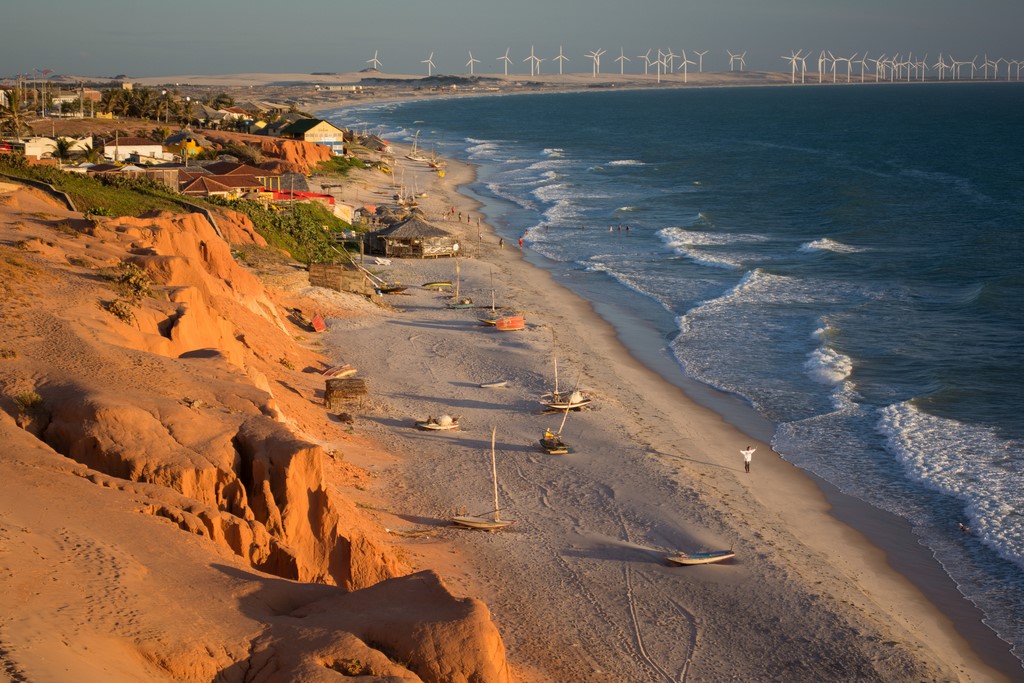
<point x="564" y="416"/>
<point x="494" y="473"/>
<point x="457" y="278"/>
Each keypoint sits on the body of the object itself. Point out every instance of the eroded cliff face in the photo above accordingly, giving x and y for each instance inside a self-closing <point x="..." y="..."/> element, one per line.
<point x="281" y="156"/>
<point x="194" y="405"/>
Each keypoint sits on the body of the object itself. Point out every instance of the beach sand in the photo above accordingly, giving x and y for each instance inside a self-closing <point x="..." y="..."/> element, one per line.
<point x="578" y="585"/>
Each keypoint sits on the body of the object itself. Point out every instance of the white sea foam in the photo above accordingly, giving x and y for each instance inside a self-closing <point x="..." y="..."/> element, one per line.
<point x="970" y="462"/>
<point x="626" y="162"/>
<point x="689" y="243"/>
<point x="828" y="366"/>
<point x="554" y="152"/>
<point x="826" y="244"/>
<point x="485" y="150"/>
<point x="626" y="209"/>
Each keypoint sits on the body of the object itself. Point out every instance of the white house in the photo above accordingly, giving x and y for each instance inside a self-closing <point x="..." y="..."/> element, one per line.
<point x="135" y="149"/>
<point x="43" y="147"/>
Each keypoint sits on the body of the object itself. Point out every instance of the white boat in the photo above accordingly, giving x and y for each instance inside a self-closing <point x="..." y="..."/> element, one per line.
<point x="415" y="155"/>
<point x="561" y="400"/>
<point x="706" y="557"/>
<point x="495" y="384"/>
<point x="490" y="521"/>
<point x="573" y="400"/>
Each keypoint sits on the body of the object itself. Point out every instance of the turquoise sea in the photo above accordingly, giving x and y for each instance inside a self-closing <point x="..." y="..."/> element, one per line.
<point x="847" y="262"/>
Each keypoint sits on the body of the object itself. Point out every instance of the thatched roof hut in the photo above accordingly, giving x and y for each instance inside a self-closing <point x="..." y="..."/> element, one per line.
<point x="414" y="237"/>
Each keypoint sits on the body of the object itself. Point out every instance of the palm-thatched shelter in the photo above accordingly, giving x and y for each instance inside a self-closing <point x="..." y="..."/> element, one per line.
<point x="414" y="237"/>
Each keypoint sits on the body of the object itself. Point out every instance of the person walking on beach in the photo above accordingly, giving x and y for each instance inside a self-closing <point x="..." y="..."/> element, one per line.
<point x="520" y="242"/>
<point x="501" y="242"/>
<point x="747" y="455"/>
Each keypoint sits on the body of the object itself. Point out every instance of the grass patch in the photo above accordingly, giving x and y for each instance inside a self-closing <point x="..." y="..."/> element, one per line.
<point x="338" y="165"/>
<point x="305" y="229"/>
<point x="28" y="402"/>
<point x="113" y="195"/>
<point x="120" y="309"/>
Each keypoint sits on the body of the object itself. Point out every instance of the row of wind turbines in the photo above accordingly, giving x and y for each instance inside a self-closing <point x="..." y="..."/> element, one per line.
<point x="665" y="62"/>
<point x="899" y="67"/>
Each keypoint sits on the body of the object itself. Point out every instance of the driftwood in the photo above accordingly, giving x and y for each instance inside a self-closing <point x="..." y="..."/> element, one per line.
<point x="340" y="390"/>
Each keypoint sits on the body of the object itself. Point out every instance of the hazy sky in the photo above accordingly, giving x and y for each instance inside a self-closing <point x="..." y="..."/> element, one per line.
<point x="144" y="38"/>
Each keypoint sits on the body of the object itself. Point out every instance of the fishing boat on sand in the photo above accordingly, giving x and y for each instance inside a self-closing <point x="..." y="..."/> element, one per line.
<point x="489" y="521"/>
<point x="439" y="424"/>
<point x="414" y="153"/>
<point x="552" y="442"/>
<point x="440" y="284"/>
<point x="562" y="400"/>
<point x="510" y="323"/>
<point x="706" y="557"/>
<point x="494" y="384"/>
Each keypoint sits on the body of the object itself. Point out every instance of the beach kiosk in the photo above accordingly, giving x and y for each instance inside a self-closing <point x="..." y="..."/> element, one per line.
<point x="415" y="237"/>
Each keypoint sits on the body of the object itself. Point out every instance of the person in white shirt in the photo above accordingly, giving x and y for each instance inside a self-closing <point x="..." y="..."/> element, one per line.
<point x="747" y="455"/>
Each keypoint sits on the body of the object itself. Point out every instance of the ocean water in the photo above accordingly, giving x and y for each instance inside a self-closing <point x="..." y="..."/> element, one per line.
<point x="847" y="261"/>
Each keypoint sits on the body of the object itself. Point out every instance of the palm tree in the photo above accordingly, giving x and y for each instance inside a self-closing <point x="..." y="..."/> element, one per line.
<point x="91" y="154"/>
<point x="12" y="116"/>
<point x="62" y="149"/>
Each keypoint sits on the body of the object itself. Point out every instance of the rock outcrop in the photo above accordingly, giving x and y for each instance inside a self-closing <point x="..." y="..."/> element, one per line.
<point x="189" y="408"/>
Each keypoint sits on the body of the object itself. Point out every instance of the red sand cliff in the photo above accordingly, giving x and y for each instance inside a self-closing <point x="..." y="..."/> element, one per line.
<point x="163" y="509"/>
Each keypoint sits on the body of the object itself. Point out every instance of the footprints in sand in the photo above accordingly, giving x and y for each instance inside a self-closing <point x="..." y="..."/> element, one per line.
<point x="101" y="576"/>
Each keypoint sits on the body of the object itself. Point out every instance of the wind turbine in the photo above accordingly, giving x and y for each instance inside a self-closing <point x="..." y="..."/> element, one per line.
<point x="621" y="59"/>
<point x="986" y="65"/>
<point x="647" y="61"/>
<point x="534" y="61"/>
<point x="505" y="58"/>
<point x="561" y="58"/>
<point x="686" y="62"/>
<point x="863" y="61"/>
<point x="834" y="60"/>
<point x="879" y="66"/>
<point x="941" y="66"/>
<point x="670" y="61"/>
<point x="471" y="62"/>
<point x="849" y="65"/>
<point x="822" y="66"/>
<point x="1002" y="59"/>
<point x="375" y="63"/>
<point x="803" y="68"/>
<point x="700" y="57"/>
<point x="793" y="58"/>
<point x="732" y="61"/>
<point x="429" y="61"/>
<point x="596" y="56"/>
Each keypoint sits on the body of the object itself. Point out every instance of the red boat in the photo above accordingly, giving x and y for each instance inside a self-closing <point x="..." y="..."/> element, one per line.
<point x="510" y="323"/>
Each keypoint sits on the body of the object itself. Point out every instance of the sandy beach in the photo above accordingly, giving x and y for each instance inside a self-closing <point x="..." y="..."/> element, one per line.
<point x="822" y="587"/>
<point x="578" y="585"/>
